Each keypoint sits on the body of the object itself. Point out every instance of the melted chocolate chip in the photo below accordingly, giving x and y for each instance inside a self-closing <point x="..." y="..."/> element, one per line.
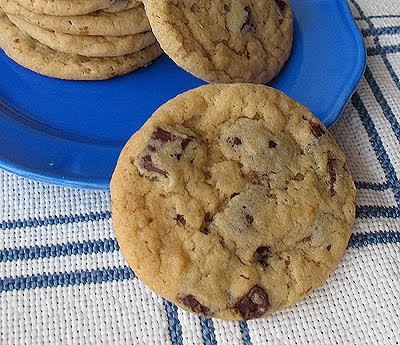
<point x="192" y="303"/>
<point x="235" y="141"/>
<point x="328" y="248"/>
<point x="272" y="144"/>
<point x="208" y="217"/>
<point x="233" y="195"/>
<point x="254" y="304"/>
<point x="287" y="262"/>
<point x="299" y="177"/>
<point x="332" y="174"/>
<point x="262" y="255"/>
<point x="250" y="23"/>
<point x="249" y="219"/>
<point x="259" y="179"/>
<point x="180" y="219"/>
<point x="205" y="231"/>
<point x="306" y="239"/>
<point x="148" y="165"/>
<point x="163" y="135"/>
<point x="281" y="4"/>
<point x="316" y="129"/>
<point x="185" y="143"/>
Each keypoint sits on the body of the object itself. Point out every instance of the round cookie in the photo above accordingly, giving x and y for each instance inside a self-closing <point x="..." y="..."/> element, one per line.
<point x="127" y="22"/>
<point x="38" y="57"/>
<point x="232" y="201"/>
<point x="96" y="46"/>
<point x="76" y="7"/>
<point x="224" y="41"/>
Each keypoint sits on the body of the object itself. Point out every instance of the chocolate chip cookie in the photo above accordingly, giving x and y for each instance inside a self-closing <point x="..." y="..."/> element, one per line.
<point x="224" y="41"/>
<point x="232" y="201"/>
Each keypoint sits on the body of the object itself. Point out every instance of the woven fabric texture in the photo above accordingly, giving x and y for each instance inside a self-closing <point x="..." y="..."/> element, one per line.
<point x="63" y="279"/>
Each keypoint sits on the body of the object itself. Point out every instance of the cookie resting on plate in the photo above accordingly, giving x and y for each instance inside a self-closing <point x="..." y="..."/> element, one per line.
<point x="232" y="201"/>
<point x="224" y="41"/>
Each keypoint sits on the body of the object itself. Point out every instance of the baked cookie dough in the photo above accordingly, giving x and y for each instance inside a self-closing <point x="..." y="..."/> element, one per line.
<point x="127" y="22"/>
<point x="76" y="7"/>
<point x="96" y="46"/>
<point x="232" y="201"/>
<point x="38" y="57"/>
<point x="224" y="41"/>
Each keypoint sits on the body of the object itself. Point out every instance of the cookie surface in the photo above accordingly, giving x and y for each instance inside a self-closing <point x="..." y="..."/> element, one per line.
<point x="31" y="54"/>
<point x="127" y="22"/>
<point x="232" y="201"/>
<point x="224" y="41"/>
<point x="96" y="46"/>
<point x="75" y="7"/>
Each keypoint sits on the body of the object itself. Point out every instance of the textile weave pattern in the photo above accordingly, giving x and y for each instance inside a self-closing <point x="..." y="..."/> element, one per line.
<point x="63" y="279"/>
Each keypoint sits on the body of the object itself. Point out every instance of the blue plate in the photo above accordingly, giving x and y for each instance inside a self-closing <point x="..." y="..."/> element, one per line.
<point x="71" y="132"/>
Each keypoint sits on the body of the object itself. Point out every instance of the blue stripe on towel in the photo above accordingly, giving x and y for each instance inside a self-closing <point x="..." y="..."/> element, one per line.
<point x="244" y="329"/>
<point x="375" y="140"/>
<point x="175" y="329"/>
<point x="34" y="223"/>
<point x="381" y="237"/>
<point x="208" y="331"/>
<point x="65" y="249"/>
<point x="66" y="279"/>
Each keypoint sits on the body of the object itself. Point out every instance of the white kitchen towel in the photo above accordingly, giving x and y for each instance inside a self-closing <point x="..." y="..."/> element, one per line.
<point x="63" y="279"/>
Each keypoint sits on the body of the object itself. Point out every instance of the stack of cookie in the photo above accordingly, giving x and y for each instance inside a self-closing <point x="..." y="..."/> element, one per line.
<point x="81" y="40"/>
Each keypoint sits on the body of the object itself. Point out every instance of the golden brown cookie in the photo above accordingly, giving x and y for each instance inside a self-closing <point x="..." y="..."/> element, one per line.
<point x="127" y="22"/>
<point x="224" y="41"/>
<point x="232" y="201"/>
<point x="96" y="46"/>
<point x="75" y="7"/>
<point x="38" y="57"/>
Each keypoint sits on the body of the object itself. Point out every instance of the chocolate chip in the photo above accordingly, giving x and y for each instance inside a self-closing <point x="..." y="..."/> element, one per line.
<point x="332" y="174"/>
<point x="328" y="248"/>
<point x="281" y="4"/>
<point x="151" y="148"/>
<point x="233" y="195"/>
<point x="192" y="303"/>
<point x="254" y="304"/>
<point x="306" y="239"/>
<point x="272" y="144"/>
<point x="148" y="165"/>
<point x="208" y="217"/>
<point x="163" y="135"/>
<point x="249" y="219"/>
<point x="185" y="143"/>
<point x="316" y="129"/>
<point x="299" y="177"/>
<point x="287" y="262"/>
<point x="259" y="179"/>
<point x="205" y="231"/>
<point x="250" y="24"/>
<point x="262" y="255"/>
<point x="180" y="219"/>
<point x="235" y="141"/>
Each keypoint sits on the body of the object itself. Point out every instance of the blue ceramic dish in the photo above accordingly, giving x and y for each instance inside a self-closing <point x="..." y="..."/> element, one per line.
<point x="70" y="133"/>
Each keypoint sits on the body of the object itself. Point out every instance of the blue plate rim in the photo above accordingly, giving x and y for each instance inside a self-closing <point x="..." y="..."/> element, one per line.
<point x="361" y="66"/>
